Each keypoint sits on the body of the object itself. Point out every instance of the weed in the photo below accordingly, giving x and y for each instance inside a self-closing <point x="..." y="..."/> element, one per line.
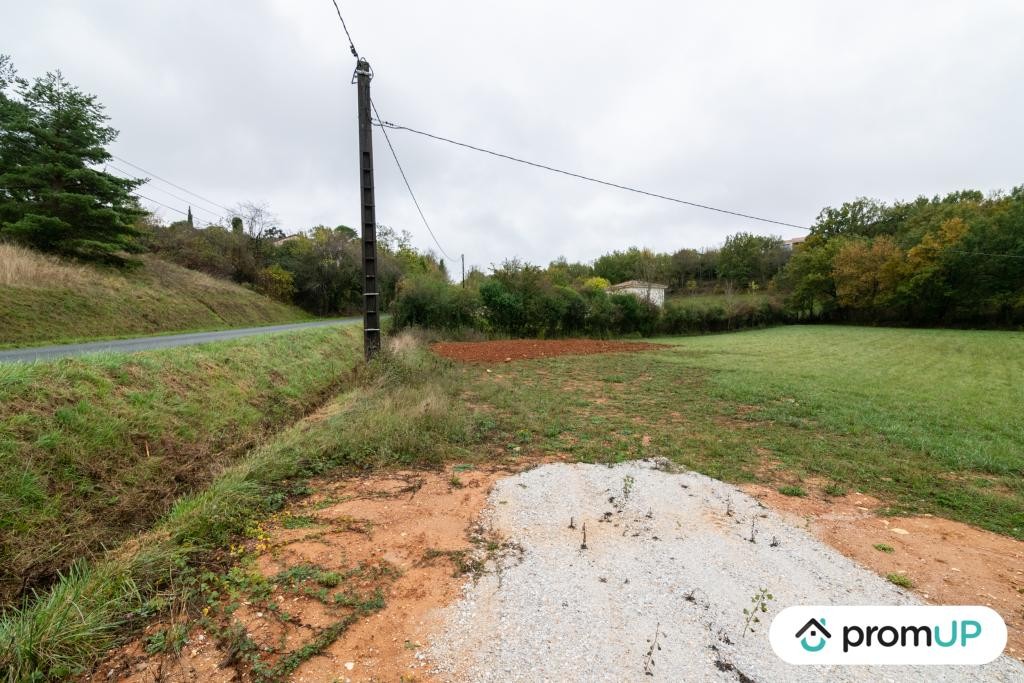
<point x="169" y="640"/>
<point x="901" y="580"/>
<point x="835" y="490"/>
<point x="883" y="548"/>
<point x="649" y="657"/>
<point x="298" y="522"/>
<point x="455" y="482"/>
<point x="792" y="490"/>
<point x="627" y="486"/>
<point x="759" y="605"/>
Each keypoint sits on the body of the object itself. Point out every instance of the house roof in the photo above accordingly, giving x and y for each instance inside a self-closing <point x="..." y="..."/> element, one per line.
<point x="636" y="284"/>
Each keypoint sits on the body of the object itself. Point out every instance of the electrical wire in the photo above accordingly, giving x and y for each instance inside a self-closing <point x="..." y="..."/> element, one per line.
<point x="183" y="189"/>
<point x="167" y="192"/>
<point x="579" y="176"/>
<point x="170" y="208"/>
<point x="407" y="185"/>
<point x="351" y="45"/>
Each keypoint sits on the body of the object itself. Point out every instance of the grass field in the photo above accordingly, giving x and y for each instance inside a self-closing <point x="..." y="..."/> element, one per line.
<point x="94" y="449"/>
<point x="48" y="300"/>
<point x="926" y="420"/>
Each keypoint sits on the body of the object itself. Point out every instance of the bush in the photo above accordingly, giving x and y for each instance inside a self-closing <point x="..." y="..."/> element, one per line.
<point x="427" y="301"/>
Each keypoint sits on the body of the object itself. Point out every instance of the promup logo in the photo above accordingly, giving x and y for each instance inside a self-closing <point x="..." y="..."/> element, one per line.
<point x="817" y="629"/>
<point x="888" y="635"/>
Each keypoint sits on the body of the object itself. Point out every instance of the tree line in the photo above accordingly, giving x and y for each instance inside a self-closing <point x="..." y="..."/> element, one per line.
<point x="956" y="259"/>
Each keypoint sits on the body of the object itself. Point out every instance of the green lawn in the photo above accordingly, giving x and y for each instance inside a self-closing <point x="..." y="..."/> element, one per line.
<point x="927" y="420"/>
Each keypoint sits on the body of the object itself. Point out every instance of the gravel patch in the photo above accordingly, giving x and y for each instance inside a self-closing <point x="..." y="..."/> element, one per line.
<point x="672" y="556"/>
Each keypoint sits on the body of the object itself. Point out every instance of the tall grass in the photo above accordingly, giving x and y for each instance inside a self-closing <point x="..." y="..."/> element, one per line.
<point x="28" y="269"/>
<point x="406" y="410"/>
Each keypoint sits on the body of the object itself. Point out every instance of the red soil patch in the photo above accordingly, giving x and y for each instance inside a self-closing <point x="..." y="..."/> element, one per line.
<point x="949" y="563"/>
<point x="393" y="520"/>
<point x="520" y="349"/>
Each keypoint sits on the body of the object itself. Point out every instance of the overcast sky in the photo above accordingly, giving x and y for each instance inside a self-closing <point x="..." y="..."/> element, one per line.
<point x="770" y="108"/>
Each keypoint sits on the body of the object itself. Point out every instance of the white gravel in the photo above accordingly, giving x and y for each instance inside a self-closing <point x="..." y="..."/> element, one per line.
<point x="675" y="557"/>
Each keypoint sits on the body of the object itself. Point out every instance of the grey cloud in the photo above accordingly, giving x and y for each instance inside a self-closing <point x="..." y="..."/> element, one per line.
<point x="776" y="109"/>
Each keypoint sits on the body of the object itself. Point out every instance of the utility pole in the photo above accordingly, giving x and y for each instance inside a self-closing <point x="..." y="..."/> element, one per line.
<point x="371" y="297"/>
<point x="463" y="256"/>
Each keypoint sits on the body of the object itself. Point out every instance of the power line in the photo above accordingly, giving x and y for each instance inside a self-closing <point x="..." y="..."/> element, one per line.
<point x="394" y="126"/>
<point x="351" y="45"/>
<point x="167" y="192"/>
<point x="183" y="189"/>
<point x="171" y="208"/>
<point x="407" y="185"/>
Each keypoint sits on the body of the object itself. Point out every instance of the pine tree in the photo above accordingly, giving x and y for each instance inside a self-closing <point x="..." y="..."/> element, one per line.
<point x="51" y="196"/>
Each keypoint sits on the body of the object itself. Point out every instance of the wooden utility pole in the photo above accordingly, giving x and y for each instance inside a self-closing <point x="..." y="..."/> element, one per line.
<point x="371" y="295"/>
<point x="463" y="256"/>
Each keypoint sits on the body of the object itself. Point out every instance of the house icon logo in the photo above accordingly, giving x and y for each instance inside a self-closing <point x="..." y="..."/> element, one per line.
<point x="817" y="630"/>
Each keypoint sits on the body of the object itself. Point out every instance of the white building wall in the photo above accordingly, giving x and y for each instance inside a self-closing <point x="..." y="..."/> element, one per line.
<point x="657" y="294"/>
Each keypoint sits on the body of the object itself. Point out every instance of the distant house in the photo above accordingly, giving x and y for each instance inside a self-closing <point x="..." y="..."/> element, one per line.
<point x="791" y="243"/>
<point x="645" y="291"/>
<point x="288" y="238"/>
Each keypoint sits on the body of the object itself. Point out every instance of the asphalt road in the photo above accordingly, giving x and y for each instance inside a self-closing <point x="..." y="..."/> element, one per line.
<point x="161" y="342"/>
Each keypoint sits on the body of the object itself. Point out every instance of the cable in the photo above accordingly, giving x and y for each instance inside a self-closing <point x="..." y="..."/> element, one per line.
<point x="394" y="126"/>
<point x="160" y="189"/>
<point x="183" y="189"/>
<point x="171" y="208"/>
<point x="351" y="45"/>
<point x="407" y="185"/>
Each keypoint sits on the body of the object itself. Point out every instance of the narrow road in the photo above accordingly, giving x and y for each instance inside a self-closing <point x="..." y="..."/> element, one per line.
<point x="159" y="342"/>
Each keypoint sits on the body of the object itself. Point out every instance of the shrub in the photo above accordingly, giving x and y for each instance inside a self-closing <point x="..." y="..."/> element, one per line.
<point x="427" y="301"/>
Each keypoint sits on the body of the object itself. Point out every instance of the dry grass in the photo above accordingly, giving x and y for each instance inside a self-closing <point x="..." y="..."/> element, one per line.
<point x="26" y="269"/>
<point x="45" y="299"/>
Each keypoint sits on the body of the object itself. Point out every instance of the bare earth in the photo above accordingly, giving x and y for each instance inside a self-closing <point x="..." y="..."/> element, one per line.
<point x="521" y="349"/>
<point x="688" y="574"/>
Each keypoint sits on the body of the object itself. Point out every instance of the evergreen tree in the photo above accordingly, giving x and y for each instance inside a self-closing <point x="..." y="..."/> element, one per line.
<point x="51" y="196"/>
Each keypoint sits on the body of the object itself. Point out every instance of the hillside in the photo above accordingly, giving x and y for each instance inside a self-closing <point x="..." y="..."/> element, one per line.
<point x="44" y="299"/>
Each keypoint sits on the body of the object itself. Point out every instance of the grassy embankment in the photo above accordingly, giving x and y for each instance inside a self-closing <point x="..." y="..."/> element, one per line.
<point x="402" y="411"/>
<point x="926" y="420"/>
<point x="94" y="449"/>
<point x="44" y="299"/>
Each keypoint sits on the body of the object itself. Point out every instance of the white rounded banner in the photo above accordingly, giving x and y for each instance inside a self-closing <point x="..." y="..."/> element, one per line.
<point x="880" y="635"/>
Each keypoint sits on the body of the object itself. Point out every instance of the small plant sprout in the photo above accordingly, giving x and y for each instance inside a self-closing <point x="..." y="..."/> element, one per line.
<point x="455" y="482"/>
<point x="758" y="605"/>
<point x="883" y="548"/>
<point x="627" y="486"/>
<point x="572" y="522"/>
<point x="792" y="490"/>
<point x="649" y="657"/>
<point x="753" y="530"/>
<point x="583" y="546"/>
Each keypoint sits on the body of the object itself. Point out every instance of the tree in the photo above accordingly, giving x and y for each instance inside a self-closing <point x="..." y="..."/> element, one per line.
<point x="260" y="225"/>
<point x="746" y="257"/>
<point x="51" y="197"/>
